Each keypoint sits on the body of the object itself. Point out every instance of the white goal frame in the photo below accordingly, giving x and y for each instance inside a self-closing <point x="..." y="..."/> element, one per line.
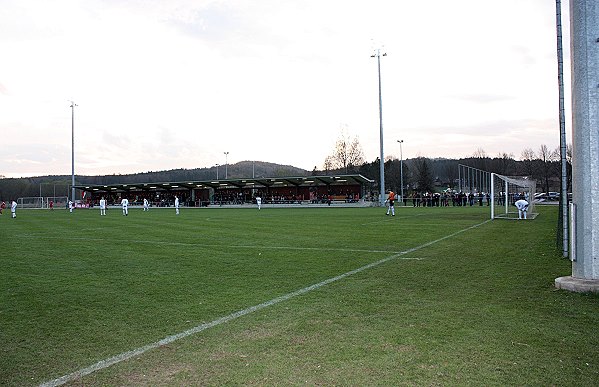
<point x="42" y="202"/>
<point x="504" y="193"/>
<point x="30" y="202"/>
<point x="59" y="202"/>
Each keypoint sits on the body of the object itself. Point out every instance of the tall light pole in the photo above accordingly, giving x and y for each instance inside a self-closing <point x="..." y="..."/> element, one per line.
<point x="562" y="131"/>
<point x="401" y="169"/>
<point x="226" y="164"/>
<point x="377" y="55"/>
<point x="217" y="171"/>
<point x="73" y="104"/>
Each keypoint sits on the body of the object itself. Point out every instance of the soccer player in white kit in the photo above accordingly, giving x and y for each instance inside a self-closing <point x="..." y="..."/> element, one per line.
<point x="70" y="206"/>
<point x="522" y="206"/>
<point x="259" y="201"/>
<point x="13" y="209"/>
<point x="125" y="205"/>
<point x="176" y="204"/>
<point x="146" y="205"/>
<point x="102" y="206"/>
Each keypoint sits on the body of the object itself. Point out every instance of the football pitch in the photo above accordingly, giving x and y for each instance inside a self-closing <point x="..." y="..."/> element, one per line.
<point x="290" y="296"/>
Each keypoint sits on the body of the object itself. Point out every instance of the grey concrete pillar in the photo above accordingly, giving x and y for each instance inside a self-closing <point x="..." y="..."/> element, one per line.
<point x="584" y="26"/>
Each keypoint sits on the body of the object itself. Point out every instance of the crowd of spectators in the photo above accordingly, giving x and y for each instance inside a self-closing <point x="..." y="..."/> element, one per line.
<point x="457" y="199"/>
<point x="275" y="196"/>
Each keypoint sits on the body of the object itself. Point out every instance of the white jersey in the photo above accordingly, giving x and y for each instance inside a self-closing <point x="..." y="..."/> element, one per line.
<point x="102" y="204"/>
<point x="521" y="205"/>
<point x="125" y="203"/>
<point x="13" y="206"/>
<point x="176" y="202"/>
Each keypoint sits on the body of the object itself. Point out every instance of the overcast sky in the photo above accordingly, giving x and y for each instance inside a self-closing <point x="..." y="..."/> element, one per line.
<point x="175" y="84"/>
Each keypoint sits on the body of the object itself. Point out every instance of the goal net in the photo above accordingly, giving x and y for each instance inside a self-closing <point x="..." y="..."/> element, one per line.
<point x="42" y="202"/>
<point x="505" y="191"/>
<point x="58" y="202"/>
<point x="31" y="202"/>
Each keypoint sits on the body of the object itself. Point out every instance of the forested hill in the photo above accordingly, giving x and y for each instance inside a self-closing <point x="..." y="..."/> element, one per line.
<point x="243" y="169"/>
<point x="12" y="188"/>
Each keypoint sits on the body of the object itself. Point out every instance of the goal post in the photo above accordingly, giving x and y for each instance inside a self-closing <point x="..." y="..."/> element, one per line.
<point x="58" y="202"/>
<point x="505" y="191"/>
<point x="42" y="202"/>
<point x="31" y="202"/>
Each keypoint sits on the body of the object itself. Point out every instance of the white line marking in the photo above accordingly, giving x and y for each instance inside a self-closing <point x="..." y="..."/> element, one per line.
<point x="102" y="364"/>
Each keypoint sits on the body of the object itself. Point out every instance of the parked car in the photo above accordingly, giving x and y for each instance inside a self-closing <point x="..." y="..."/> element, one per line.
<point x="547" y="196"/>
<point x="553" y="195"/>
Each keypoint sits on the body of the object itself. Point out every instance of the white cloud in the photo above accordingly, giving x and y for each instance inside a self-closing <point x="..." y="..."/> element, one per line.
<point x="175" y="84"/>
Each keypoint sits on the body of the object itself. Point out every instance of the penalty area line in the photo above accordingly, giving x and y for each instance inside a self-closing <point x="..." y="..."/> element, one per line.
<point x="102" y="364"/>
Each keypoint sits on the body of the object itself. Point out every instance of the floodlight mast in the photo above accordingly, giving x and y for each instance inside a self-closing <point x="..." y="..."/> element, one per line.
<point x="226" y="164"/>
<point x="562" y="131"/>
<point x="377" y="54"/>
<point x="73" y="105"/>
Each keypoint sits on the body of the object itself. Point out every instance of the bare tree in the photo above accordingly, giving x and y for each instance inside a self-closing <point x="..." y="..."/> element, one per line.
<point x="479" y="153"/>
<point x="347" y="155"/>
<point x="503" y="163"/>
<point x="480" y="159"/>
<point x="546" y="158"/>
<point x="328" y="163"/>
<point x="528" y="158"/>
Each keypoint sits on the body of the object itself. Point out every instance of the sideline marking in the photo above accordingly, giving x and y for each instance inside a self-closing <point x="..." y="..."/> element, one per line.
<point x="102" y="364"/>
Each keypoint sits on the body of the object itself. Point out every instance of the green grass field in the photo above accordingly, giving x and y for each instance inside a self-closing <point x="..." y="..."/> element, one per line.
<point x="452" y="299"/>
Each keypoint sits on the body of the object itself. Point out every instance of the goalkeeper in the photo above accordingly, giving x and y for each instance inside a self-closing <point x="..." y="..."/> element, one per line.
<point x="390" y="202"/>
<point x="522" y="206"/>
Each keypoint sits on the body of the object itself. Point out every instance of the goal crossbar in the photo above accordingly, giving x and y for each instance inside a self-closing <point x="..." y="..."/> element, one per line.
<point x="505" y="191"/>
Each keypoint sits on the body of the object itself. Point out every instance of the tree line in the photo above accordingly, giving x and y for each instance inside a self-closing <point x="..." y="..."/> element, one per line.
<point x="434" y="174"/>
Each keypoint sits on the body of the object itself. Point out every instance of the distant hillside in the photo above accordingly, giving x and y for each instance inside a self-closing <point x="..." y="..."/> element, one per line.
<point x="59" y="185"/>
<point x="242" y="169"/>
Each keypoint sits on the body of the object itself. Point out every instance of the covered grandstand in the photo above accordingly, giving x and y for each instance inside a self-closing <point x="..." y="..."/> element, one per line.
<point x="272" y="190"/>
